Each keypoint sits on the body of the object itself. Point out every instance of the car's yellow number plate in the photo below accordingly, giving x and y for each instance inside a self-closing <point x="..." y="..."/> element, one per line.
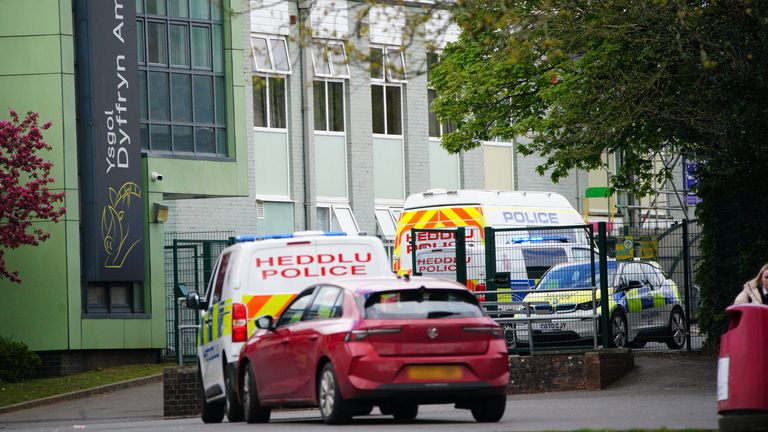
<point x="452" y="372"/>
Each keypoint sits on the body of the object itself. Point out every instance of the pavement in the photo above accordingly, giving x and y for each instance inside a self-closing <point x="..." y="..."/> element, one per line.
<point x="683" y="382"/>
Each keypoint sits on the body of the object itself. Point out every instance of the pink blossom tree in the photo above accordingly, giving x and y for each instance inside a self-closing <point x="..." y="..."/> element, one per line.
<point x="24" y="194"/>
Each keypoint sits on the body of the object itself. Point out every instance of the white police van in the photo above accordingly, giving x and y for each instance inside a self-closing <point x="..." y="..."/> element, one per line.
<point x="260" y="275"/>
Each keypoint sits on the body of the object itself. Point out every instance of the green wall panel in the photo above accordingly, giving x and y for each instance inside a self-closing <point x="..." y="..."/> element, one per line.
<point x="103" y="333"/>
<point x="388" y="171"/>
<point x="36" y="310"/>
<point x="137" y="334"/>
<point x="271" y="164"/>
<point x="43" y="94"/>
<point x="32" y="17"/>
<point x="74" y="293"/>
<point x="30" y="54"/>
<point x="331" y="166"/>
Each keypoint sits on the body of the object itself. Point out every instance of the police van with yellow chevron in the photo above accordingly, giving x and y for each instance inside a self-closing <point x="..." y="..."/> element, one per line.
<point x="260" y="275"/>
<point x="643" y="306"/>
<point x="476" y="209"/>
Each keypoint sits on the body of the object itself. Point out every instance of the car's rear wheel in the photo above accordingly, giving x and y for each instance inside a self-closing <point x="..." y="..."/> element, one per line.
<point x="333" y="408"/>
<point x="212" y="412"/>
<point x="618" y="329"/>
<point x="676" y="330"/>
<point x="490" y="410"/>
<point x="405" y="411"/>
<point x="233" y="407"/>
<point x="252" y="409"/>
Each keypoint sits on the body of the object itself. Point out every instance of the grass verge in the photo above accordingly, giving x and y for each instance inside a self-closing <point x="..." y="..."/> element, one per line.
<point x="12" y="393"/>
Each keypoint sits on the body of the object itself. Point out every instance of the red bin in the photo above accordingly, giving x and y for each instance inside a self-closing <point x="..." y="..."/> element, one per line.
<point x="742" y="370"/>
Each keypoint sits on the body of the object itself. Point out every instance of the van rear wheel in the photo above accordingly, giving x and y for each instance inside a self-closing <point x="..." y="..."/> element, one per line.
<point x="212" y="412"/>
<point x="233" y="407"/>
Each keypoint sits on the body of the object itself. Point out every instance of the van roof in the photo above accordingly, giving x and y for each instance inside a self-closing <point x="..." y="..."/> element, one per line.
<point x="476" y="197"/>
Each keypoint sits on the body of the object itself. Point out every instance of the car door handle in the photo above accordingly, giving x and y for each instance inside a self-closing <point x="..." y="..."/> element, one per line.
<point x="313" y="337"/>
<point x="284" y="341"/>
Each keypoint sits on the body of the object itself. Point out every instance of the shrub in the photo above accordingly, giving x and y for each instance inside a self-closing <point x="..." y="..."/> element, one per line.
<point x="17" y="362"/>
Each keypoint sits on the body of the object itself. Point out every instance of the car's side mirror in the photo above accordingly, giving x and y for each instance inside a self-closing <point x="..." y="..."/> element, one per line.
<point x="194" y="302"/>
<point x="264" y="322"/>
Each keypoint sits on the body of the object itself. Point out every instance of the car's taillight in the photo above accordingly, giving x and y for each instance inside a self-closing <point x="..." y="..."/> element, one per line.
<point x="480" y="287"/>
<point x="494" y="331"/>
<point x="360" y="334"/>
<point x="239" y="323"/>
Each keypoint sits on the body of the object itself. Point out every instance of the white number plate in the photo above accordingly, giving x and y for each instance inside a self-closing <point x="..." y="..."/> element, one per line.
<point x="551" y="326"/>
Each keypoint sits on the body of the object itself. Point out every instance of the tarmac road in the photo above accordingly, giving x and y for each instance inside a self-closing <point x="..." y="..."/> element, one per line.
<point x="671" y="390"/>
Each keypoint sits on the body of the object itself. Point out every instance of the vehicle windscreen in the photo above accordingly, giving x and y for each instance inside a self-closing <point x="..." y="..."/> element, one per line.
<point x="539" y="259"/>
<point x="575" y="276"/>
<point x="421" y="304"/>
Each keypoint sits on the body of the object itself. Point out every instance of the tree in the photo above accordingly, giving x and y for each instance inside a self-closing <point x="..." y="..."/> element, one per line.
<point x="583" y="77"/>
<point x="24" y="194"/>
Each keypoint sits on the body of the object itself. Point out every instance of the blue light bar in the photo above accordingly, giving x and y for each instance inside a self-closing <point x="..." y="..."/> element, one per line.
<point x="250" y="238"/>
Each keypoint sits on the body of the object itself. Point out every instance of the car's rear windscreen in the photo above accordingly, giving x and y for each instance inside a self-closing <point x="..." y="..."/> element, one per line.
<point x="421" y="304"/>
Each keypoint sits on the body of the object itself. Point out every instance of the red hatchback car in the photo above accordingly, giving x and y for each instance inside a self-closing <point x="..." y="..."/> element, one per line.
<point x="394" y="343"/>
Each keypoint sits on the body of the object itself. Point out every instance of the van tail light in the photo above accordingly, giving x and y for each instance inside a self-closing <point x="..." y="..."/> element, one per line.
<point x="494" y="331"/>
<point x="480" y="287"/>
<point x="239" y="323"/>
<point x="360" y="334"/>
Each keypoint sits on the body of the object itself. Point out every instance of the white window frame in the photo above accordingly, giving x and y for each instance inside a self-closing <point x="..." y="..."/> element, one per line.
<point x="334" y="209"/>
<point x="327" y="46"/>
<point x="386" y="104"/>
<point x="388" y="75"/>
<point x="269" y="111"/>
<point x="268" y="39"/>
<point x="343" y="111"/>
<point x="388" y="214"/>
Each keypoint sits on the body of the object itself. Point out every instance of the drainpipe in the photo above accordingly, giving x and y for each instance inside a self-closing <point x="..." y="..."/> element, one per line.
<point x="307" y="119"/>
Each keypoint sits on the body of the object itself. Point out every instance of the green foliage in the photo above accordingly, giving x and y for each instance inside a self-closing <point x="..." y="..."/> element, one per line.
<point x="583" y="77"/>
<point x="17" y="362"/>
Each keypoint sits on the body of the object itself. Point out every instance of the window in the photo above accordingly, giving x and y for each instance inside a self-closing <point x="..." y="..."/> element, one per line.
<point x="181" y="77"/>
<point x="270" y="55"/>
<point x="387" y="66"/>
<point x="218" y="283"/>
<point x="327" y="304"/>
<point x="295" y="310"/>
<point x="272" y="63"/>
<point x="329" y="59"/>
<point x="329" y="106"/>
<point x="336" y="218"/>
<point x="386" y="220"/>
<point x="114" y="298"/>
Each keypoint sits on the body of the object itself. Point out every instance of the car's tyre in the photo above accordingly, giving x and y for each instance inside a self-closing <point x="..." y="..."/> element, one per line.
<point x="617" y="327"/>
<point x="333" y="408"/>
<point x="490" y="410"/>
<point x="676" y="330"/>
<point x="252" y="409"/>
<point x="212" y="412"/>
<point x="405" y="411"/>
<point x="233" y="406"/>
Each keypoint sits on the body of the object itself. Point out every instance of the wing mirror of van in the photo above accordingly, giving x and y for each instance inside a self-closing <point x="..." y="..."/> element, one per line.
<point x="264" y="322"/>
<point x="194" y="302"/>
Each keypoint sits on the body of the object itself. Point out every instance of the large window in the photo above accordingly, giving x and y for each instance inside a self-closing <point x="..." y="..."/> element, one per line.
<point x="387" y="71"/>
<point x="181" y="77"/>
<point x="114" y="298"/>
<point x="436" y="128"/>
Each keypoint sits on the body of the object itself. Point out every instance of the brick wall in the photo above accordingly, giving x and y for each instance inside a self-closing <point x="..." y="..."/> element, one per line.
<point x="181" y="392"/>
<point x="561" y="372"/>
<point x="58" y="363"/>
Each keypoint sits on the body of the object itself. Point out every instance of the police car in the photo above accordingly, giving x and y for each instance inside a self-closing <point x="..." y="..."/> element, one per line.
<point x="258" y="276"/>
<point x="644" y="306"/>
